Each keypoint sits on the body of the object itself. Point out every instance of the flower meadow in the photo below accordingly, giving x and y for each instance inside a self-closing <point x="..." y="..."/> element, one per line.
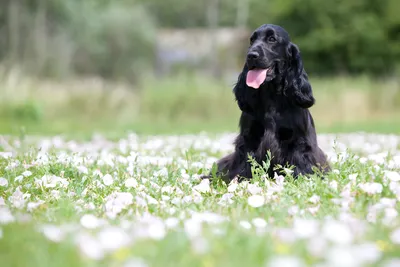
<point x="139" y="201"/>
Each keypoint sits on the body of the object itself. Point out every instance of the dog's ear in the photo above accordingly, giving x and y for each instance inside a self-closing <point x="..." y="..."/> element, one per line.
<point x="243" y="93"/>
<point x="297" y="85"/>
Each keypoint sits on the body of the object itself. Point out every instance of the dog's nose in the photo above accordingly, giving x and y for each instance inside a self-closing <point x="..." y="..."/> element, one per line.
<point x="252" y="55"/>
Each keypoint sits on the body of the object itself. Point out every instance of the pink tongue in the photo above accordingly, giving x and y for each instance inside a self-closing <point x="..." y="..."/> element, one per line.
<point x="256" y="77"/>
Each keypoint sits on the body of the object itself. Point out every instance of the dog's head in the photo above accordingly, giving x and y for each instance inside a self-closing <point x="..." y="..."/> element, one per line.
<point x="270" y="49"/>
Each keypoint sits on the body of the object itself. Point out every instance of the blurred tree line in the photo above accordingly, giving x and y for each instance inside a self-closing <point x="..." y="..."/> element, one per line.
<point x="117" y="39"/>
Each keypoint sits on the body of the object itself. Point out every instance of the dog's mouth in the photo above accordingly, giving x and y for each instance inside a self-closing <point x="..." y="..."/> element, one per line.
<point x="256" y="77"/>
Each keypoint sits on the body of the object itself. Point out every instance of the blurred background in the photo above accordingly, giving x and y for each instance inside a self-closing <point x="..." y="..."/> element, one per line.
<point x="76" y="67"/>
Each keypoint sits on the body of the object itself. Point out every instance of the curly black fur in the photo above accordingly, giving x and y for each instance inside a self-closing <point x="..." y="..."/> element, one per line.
<point x="275" y="117"/>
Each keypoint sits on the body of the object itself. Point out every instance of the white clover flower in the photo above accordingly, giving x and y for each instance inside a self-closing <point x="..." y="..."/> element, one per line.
<point x="293" y="210"/>
<point x="232" y="187"/>
<point x="157" y="230"/>
<point x="53" y="233"/>
<point x="259" y="223"/>
<point x="116" y="202"/>
<point x="193" y="227"/>
<point x="371" y="188"/>
<point x="5" y="216"/>
<point x="245" y="224"/>
<point x="254" y="189"/>
<point x="90" y="221"/>
<point x="200" y="245"/>
<point x="34" y="205"/>
<point x="367" y="253"/>
<point x="19" y="178"/>
<point x="285" y="261"/>
<point x="392" y="176"/>
<point x="203" y="187"/>
<point x="333" y="184"/>
<point x="304" y="228"/>
<point x="3" y="182"/>
<point x="90" y="247"/>
<point x="17" y="199"/>
<point x="113" y="238"/>
<point x="256" y="201"/>
<point x="27" y="173"/>
<point x="226" y="199"/>
<point x="341" y="256"/>
<point x="395" y="262"/>
<point x="314" y="199"/>
<point x="135" y="262"/>
<point x="172" y="222"/>
<point x="317" y="246"/>
<point x="337" y="232"/>
<point x="82" y="169"/>
<point x="395" y="236"/>
<point x="107" y="180"/>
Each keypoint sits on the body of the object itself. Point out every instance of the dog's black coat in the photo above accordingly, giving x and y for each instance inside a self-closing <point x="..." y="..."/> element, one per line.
<point x="275" y="117"/>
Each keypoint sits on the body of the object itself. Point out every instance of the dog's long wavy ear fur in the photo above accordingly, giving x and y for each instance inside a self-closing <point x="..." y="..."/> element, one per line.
<point x="297" y="85"/>
<point x="243" y="93"/>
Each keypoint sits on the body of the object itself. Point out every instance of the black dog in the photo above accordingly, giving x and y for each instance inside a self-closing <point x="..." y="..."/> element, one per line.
<point x="274" y="95"/>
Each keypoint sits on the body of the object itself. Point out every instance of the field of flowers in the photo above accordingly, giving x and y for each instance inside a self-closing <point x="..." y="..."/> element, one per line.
<point x="138" y="202"/>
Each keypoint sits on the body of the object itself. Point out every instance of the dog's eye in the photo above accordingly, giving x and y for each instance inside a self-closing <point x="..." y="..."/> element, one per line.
<point x="271" y="39"/>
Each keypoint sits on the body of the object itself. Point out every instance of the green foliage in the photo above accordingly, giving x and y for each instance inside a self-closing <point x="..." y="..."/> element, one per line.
<point x="341" y="36"/>
<point x="61" y="38"/>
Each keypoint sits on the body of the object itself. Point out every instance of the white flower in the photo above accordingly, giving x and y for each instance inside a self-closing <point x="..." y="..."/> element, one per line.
<point x="306" y="229"/>
<point x="193" y="228"/>
<point x="19" y="178"/>
<point x="90" y="247"/>
<point x="391" y="263"/>
<point x="33" y="205"/>
<point x="171" y="222"/>
<point x="367" y="253"/>
<point x="341" y="256"/>
<point x="6" y="216"/>
<point x="131" y="182"/>
<point x="353" y="177"/>
<point x="157" y="230"/>
<point x="337" y="232"/>
<point x="113" y="238"/>
<point x="317" y="246"/>
<point x="107" y="180"/>
<point x="27" y="173"/>
<point x="314" y="199"/>
<point x="116" y="202"/>
<point x="256" y="201"/>
<point x="392" y="176"/>
<point x="395" y="236"/>
<point x="82" y="169"/>
<point x="333" y="184"/>
<point x="259" y="223"/>
<point x="232" y="187"/>
<point x="293" y="210"/>
<point x="245" y="224"/>
<point x="203" y="187"/>
<point x="3" y="182"/>
<point x="53" y="233"/>
<point x="371" y="188"/>
<point x="90" y="221"/>
<point x="285" y="261"/>
<point x="254" y="189"/>
<point x="286" y="235"/>
<point x="17" y="199"/>
<point x="200" y="245"/>
<point x="135" y="262"/>
<point x="226" y="199"/>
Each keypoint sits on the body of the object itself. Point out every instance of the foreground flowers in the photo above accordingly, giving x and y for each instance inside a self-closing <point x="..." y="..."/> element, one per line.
<point x="119" y="201"/>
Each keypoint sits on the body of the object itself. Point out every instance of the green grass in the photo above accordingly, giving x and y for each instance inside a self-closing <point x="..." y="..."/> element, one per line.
<point x="161" y="191"/>
<point x="179" y="104"/>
